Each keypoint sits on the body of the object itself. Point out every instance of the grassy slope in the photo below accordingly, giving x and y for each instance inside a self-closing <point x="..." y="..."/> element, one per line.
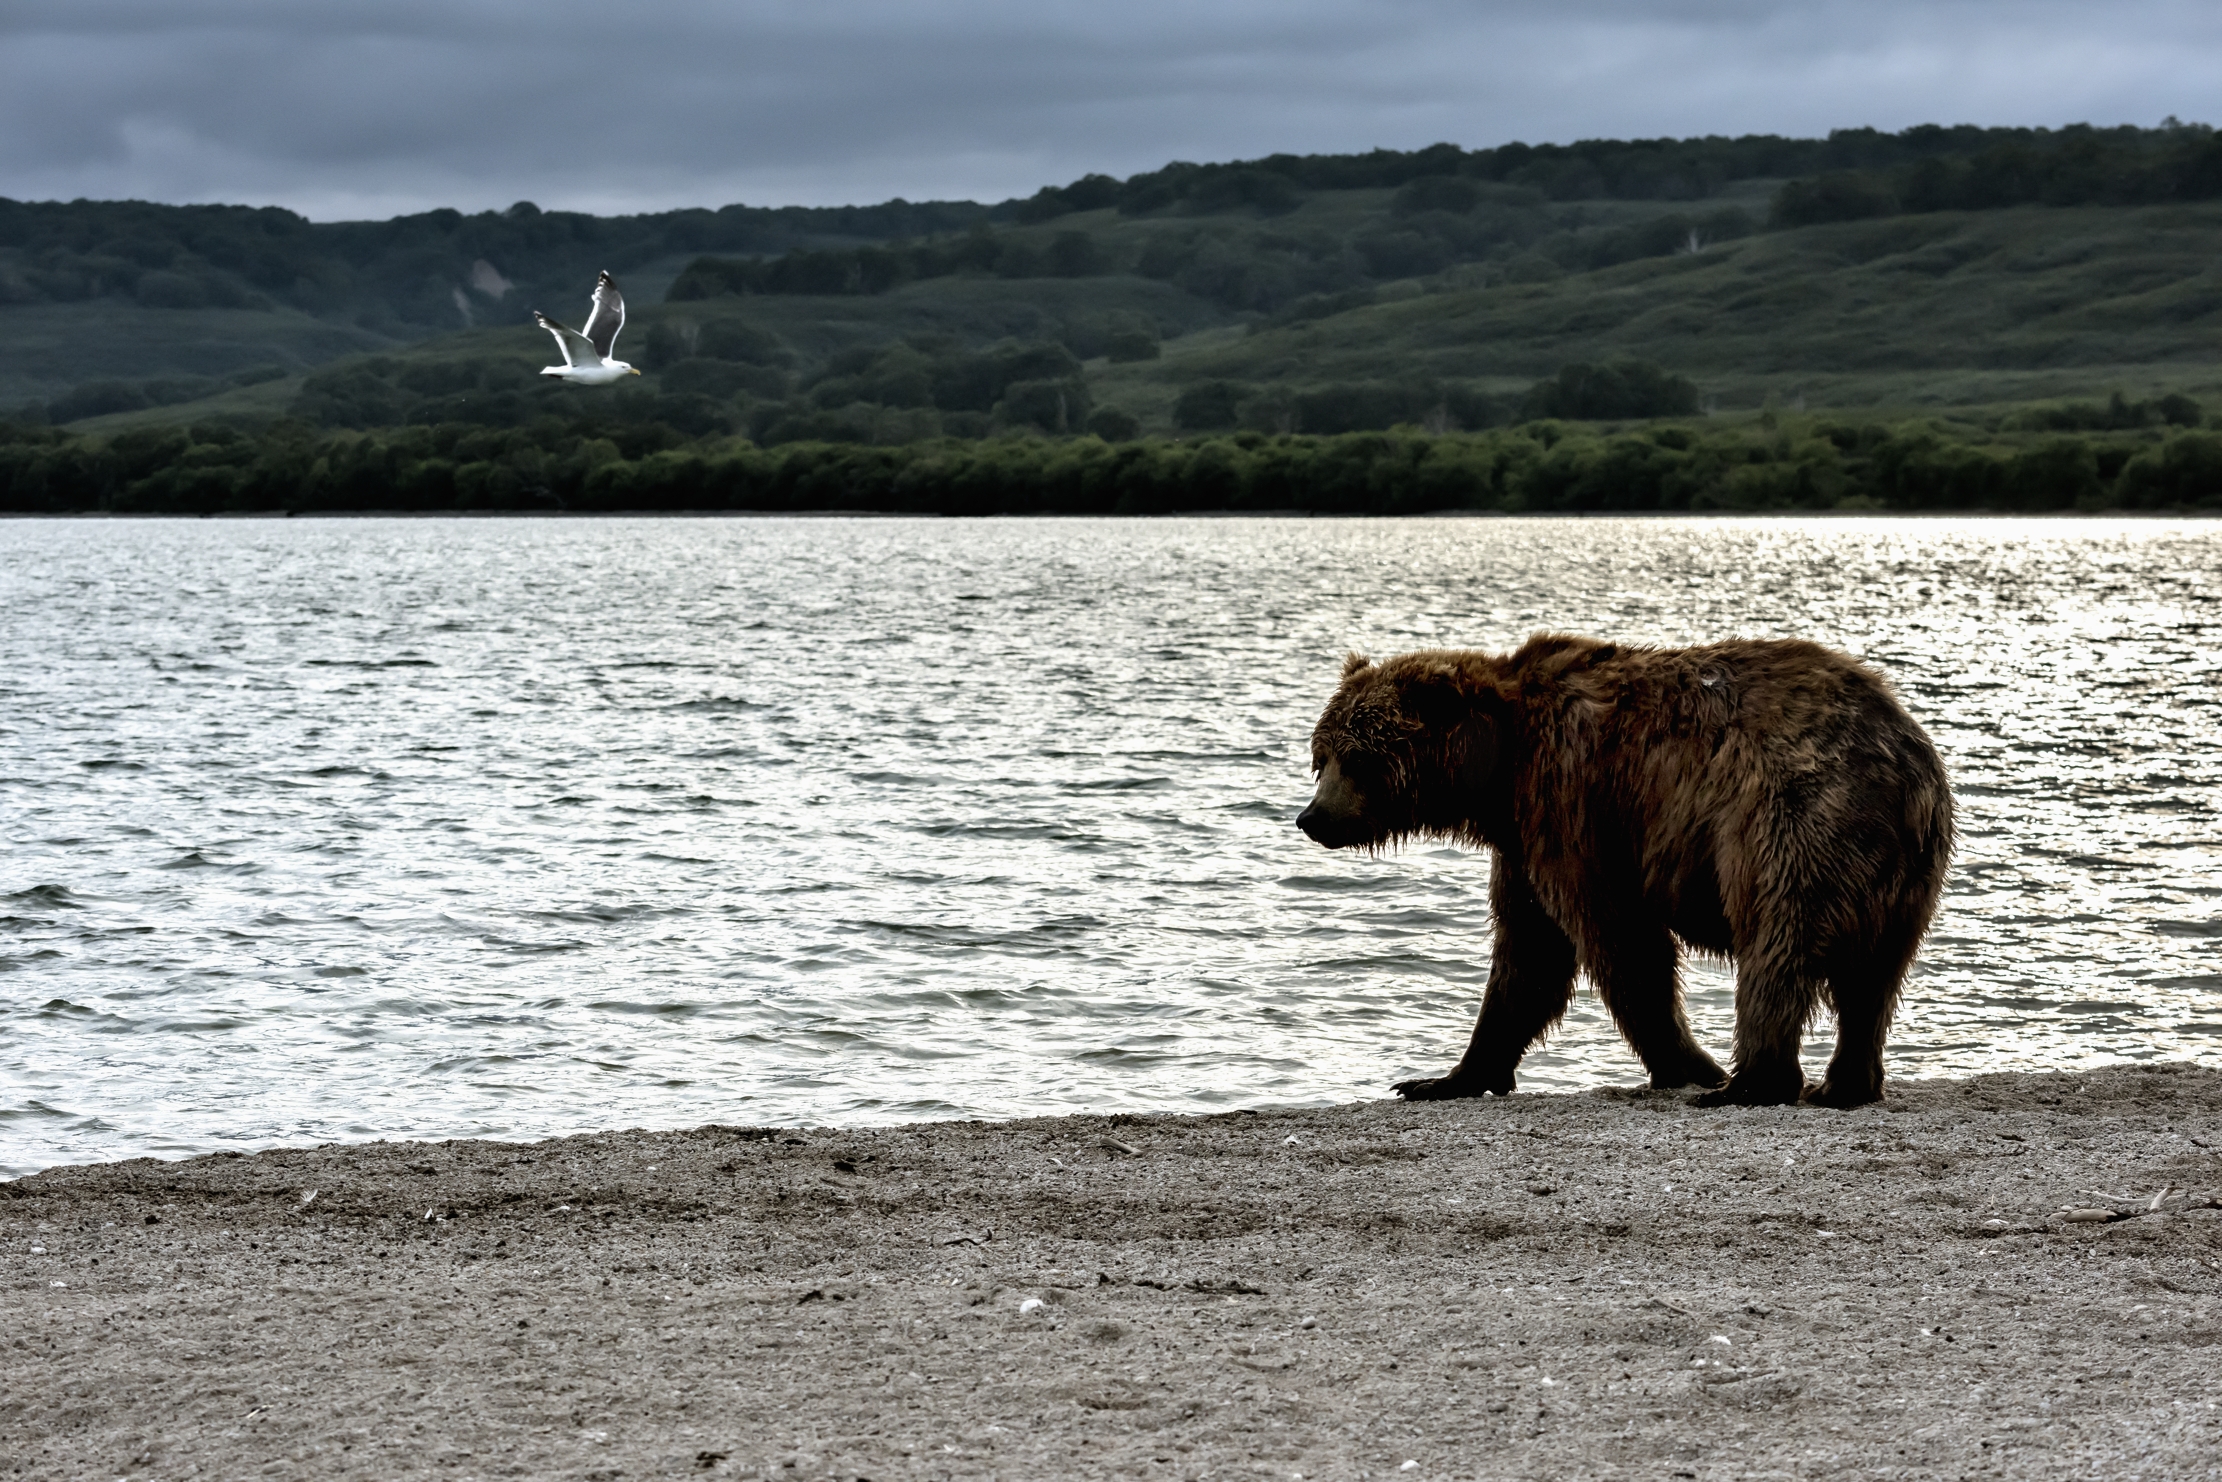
<point x="113" y="338"/>
<point x="1904" y="314"/>
<point x="52" y="347"/>
<point x="973" y="310"/>
<point x="1916" y="311"/>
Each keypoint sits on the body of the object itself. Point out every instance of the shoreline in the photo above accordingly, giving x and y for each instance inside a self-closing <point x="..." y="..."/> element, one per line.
<point x="1448" y="512"/>
<point x="1607" y="1283"/>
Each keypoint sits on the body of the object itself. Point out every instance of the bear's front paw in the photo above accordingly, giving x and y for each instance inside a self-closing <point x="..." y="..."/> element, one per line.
<point x="1744" y="1089"/>
<point x="1448" y="1087"/>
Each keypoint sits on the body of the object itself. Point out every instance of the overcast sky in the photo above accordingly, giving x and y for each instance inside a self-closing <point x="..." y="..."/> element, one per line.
<point x="355" y="108"/>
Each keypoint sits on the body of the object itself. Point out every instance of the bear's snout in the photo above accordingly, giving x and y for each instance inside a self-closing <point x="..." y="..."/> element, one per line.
<point x="1334" y="832"/>
<point x="1336" y="817"/>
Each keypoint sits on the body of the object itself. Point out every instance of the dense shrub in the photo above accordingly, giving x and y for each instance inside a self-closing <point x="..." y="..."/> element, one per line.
<point x="1838" y="197"/>
<point x="1209" y="405"/>
<point x="2184" y="471"/>
<point x="1618" y="392"/>
<point x="2116" y="415"/>
<point x="1114" y="425"/>
<point x="1125" y="346"/>
<point x="1060" y="405"/>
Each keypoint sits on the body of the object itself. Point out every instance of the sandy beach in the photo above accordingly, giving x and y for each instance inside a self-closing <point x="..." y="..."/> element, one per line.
<point x="1607" y="1284"/>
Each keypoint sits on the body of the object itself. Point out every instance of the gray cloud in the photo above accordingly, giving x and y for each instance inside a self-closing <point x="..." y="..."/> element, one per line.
<point x="382" y="106"/>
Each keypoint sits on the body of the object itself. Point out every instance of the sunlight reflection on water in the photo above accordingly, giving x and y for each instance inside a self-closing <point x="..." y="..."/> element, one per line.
<point x="354" y="829"/>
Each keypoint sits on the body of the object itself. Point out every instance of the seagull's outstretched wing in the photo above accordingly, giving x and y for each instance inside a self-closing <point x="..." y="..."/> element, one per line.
<point x="608" y="317"/>
<point x="578" y="350"/>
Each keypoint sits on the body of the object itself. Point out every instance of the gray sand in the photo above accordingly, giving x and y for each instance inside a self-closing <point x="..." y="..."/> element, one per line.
<point x="1612" y="1284"/>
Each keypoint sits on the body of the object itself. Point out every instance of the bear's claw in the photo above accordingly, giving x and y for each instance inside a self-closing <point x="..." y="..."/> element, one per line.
<point x="1842" y="1097"/>
<point x="1747" y="1090"/>
<point x="1446" y="1088"/>
<point x="1703" y="1074"/>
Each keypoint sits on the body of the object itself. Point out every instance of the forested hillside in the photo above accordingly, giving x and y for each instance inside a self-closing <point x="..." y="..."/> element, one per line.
<point x="114" y="306"/>
<point x="1990" y="287"/>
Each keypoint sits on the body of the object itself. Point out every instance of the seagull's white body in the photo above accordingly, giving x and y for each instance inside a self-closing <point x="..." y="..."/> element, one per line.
<point x="586" y="357"/>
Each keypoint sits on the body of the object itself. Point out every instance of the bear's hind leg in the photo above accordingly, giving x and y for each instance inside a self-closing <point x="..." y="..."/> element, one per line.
<point x="1866" y="996"/>
<point x="1638" y="975"/>
<point x="1774" y="1001"/>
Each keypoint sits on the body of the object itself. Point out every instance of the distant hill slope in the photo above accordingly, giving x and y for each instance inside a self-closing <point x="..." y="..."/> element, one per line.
<point x="211" y="291"/>
<point x="1941" y="310"/>
<point x="1325" y="292"/>
<point x="1946" y="308"/>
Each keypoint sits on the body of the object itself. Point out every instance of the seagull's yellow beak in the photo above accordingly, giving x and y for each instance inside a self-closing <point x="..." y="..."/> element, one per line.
<point x="630" y="368"/>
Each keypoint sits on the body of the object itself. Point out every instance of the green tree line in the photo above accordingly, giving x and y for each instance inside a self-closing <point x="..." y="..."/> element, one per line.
<point x="1589" y="169"/>
<point x="2074" y="167"/>
<point x="1546" y="466"/>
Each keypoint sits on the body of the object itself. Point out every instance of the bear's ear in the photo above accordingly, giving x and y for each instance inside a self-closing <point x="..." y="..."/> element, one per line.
<point x="1432" y="698"/>
<point x="1353" y="662"/>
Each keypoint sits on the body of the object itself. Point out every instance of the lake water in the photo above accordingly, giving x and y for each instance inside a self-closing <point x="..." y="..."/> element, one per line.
<point x="342" y="830"/>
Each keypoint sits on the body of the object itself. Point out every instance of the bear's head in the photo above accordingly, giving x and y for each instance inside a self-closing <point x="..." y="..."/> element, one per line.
<point x="1407" y="747"/>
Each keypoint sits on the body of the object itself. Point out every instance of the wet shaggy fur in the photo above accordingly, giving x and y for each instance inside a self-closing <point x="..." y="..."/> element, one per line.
<point x="1769" y="801"/>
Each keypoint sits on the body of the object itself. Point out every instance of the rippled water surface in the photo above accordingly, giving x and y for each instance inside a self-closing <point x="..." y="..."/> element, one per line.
<point x="357" y="829"/>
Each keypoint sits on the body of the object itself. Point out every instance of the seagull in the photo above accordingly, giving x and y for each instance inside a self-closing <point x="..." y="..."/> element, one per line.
<point x="586" y="357"/>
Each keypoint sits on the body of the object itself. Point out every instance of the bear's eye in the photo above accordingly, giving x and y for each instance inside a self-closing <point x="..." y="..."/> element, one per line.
<point x="1361" y="772"/>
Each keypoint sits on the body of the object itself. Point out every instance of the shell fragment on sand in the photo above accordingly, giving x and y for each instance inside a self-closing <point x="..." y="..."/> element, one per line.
<point x="2136" y="1208"/>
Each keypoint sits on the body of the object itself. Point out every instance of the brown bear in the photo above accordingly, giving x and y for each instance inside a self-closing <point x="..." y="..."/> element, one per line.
<point x="1769" y="801"/>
